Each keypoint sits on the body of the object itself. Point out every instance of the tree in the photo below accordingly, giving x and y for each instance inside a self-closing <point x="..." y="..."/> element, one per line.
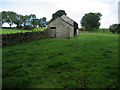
<point x="8" y="17"/>
<point x="18" y="20"/>
<point x="59" y="13"/>
<point x="4" y="17"/>
<point x="26" y="20"/>
<point x="35" y="22"/>
<point x="91" y="20"/>
<point x="31" y="17"/>
<point x="118" y="31"/>
<point x="43" y="22"/>
<point x="0" y="19"/>
<point x="114" y="28"/>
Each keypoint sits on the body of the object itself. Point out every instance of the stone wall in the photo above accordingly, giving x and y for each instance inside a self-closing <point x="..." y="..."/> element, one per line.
<point x="10" y="39"/>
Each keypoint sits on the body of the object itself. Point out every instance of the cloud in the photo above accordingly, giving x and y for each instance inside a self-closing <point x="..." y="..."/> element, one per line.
<point x="75" y="9"/>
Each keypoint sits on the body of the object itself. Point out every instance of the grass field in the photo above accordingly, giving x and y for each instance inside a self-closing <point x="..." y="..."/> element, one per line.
<point x="89" y="60"/>
<point x="7" y="31"/>
<point x="102" y="31"/>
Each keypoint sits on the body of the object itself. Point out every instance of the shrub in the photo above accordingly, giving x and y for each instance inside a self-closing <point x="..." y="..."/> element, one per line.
<point x="118" y="29"/>
<point x="82" y="29"/>
<point x="28" y="27"/>
<point x="8" y="27"/>
<point x="114" y="28"/>
<point x="20" y="27"/>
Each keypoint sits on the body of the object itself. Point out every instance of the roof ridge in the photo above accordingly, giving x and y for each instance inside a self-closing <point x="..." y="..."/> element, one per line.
<point x="67" y="17"/>
<point x="66" y="22"/>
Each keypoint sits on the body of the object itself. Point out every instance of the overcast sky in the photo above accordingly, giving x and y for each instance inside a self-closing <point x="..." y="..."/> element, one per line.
<point x="75" y="9"/>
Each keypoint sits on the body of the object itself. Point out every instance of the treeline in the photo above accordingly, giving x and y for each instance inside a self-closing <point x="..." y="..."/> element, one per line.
<point x="21" y="21"/>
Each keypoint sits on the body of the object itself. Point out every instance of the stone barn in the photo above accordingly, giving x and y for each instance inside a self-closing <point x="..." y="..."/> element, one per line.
<point x="62" y="27"/>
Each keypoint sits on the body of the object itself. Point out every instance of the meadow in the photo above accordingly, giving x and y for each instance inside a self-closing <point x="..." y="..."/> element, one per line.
<point x="89" y="60"/>
<point x="8" y="31"/>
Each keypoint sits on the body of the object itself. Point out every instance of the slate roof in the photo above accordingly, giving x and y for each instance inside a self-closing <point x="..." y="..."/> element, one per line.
<point x="67" y="19"/>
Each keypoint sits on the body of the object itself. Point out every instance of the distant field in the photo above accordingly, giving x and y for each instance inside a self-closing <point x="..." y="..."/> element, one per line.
<point x="89" y="60"/>
<point x="101" y="30"/>
<point x="6" y="31"/>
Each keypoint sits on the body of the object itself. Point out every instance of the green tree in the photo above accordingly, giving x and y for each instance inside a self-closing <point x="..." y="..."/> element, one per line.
<point x="43" y="22"/>
<point x="25" y="20"/>
<point x="31" y="17"/>
<point x="18" y="20"/>
<point x="4" y="17"/>
<point x="118" y="28"/>
<point x="91" y="20"/>
<point x="59" y="13"/>
<point x="35" y="22"/>
<point x="8" y="17"/>
<point x="0" y="19"/>
<point x="114" y="28"/>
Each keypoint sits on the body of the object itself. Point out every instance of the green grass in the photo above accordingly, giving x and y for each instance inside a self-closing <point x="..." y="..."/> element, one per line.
<point x="7" y="31"/>
<point x="100" y="30"/>
<point x="86" y="61"/>
<point x="39" y="29"/>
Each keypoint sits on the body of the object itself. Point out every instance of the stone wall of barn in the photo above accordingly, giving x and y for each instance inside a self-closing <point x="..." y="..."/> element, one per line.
<point x="63" y="29"/>
<point x="10" y="39"/>
<point x="51" y="33"/>
<point x="72" y="31"/>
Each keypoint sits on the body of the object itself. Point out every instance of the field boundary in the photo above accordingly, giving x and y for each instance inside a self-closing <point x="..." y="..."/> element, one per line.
<point x="15" y="38"/>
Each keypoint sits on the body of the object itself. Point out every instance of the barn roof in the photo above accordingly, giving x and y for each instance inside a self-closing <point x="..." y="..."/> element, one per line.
<point x="67" y="19"/>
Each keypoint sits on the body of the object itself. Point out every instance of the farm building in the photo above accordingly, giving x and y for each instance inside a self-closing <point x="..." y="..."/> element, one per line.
<point x="62" y="27"/>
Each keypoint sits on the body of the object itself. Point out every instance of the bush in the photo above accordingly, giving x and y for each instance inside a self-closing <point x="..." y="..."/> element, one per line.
<point x="28" y="27"/>
<point x="82" y="29"/>
<point x="114" y="28"/>
<point x="8" y="27"/>
<point x="20" y="27"/>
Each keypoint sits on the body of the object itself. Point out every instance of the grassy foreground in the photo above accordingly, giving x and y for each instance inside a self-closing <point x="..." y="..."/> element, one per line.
<point x="7" y="31"/>
<point x="86" y="61"/>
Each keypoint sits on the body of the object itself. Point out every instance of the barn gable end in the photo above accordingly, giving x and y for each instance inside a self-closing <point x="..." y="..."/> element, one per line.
<point x="62" y="27"/>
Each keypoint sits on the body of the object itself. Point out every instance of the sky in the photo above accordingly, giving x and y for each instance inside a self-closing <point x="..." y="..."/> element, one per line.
<point x="75" y="9"/>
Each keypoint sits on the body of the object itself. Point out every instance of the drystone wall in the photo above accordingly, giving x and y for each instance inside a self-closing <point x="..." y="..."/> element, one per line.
<point x="10" y="39"/>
